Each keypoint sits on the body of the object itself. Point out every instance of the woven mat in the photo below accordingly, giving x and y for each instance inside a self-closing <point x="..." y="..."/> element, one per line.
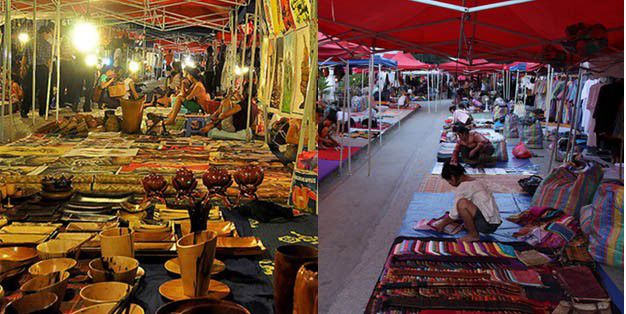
<point x="499" y="184"/>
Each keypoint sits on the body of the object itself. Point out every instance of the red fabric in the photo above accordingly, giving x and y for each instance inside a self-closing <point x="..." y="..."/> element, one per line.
<point x="478" y="65"/>
<point x="516" y="32"/>
<point x="406" y="61"/>
<point x="521" y="152"/>
<point x="338" y="49"/>
<point x="331" y="154"/>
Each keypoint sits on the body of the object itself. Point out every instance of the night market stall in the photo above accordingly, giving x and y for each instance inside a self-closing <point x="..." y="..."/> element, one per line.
<point x="169" y="191"/>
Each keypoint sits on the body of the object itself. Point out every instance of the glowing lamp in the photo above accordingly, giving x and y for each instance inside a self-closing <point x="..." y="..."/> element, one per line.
<point x="91" y="60"/>
<point x="133" y="66"/>
<point x="23" y="38"/>
<point x="106" y="61"/>
<point x="85" y="37"/>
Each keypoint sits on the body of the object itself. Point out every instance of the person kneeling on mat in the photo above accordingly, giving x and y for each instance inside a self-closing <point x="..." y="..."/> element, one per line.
<point x="195" y="100"/>
<point x="229" y="120"/>
<point x="474" y="204"/>
<point x="475" y="148"/>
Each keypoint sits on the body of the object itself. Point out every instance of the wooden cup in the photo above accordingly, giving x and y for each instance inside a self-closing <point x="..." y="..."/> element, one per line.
<point x="117" y="242"/>
<point x="195" y="254"/>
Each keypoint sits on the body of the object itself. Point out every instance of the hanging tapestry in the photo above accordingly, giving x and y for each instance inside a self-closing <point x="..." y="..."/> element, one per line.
<point x="263" y="69"/>
<point x="276" y="16"/>
<point x="302" y="69"/>
<point x="277" y="84"/>
<point x="267" y="11"/>
<point x="289" y="54"/>
<point x="228" y="71"/>
<point x="285" y="10"/>
<point x="301" y="12"/>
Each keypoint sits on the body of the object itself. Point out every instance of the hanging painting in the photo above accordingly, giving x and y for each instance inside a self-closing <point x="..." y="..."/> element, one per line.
<point x="302" y="68"/>
<point x="289" y="63"/>
<point x="267" y="12"/>
<point x="301" y="12"/>
<point x="277" y="85"/>
<point x="276" y="16"/>
<point x="263" y="70"/>
<point x="285" y="10"/>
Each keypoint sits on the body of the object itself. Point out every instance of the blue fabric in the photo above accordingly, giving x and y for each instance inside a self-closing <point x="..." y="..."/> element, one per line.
<point x="522" y="164"/>
<point x="612" y="288"/>
<point x="433" y="205"/>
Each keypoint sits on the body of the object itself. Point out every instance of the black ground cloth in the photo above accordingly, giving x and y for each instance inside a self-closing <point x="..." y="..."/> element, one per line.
<point x="250" y="283"/>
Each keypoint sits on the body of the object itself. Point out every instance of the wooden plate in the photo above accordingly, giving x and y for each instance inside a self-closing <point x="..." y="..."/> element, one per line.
<point x="173" y="290"/>
<point x="173" y="266"/>
<point x="17" y="253"/>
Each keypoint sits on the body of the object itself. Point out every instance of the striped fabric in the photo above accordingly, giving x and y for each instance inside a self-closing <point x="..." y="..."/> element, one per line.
<point x="567" y="190"/>
<point x="602" y="221"/>
<point x="512" y="126"/>
<point x="532" y="135"/>
<point x="449" y="248"/>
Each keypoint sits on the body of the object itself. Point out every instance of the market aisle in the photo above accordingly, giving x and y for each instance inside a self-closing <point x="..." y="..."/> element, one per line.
<point x="360" y="215"/>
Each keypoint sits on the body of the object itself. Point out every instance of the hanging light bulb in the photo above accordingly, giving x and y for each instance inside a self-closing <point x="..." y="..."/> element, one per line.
<point x="238" y="70"/>
<point x="85" y="36"/>
<point x="23" y="38"/>
<point x="91" y="60"/>
<point x="133" y="66"/>
<point x="106" y="61"/>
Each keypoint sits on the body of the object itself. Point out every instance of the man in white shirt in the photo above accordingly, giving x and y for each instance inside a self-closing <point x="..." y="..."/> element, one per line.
<point x="402" y="101"/>
<point x="474" y="204"/>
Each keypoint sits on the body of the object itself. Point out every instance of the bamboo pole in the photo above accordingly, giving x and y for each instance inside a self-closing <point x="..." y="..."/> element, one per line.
<point x="8" y="30"/>
<point x="34" y="61"/>
<point x="47" y="104"/>
<point x="58" y="53"/>
<point x="251" y="71"/>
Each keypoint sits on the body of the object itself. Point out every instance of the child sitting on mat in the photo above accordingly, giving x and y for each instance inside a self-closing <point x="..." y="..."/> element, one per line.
<point x="474" y="204"/>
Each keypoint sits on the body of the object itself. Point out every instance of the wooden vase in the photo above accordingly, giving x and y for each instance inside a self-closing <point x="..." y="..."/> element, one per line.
<point x="196" y="252"/>
<point x="132" y="113"/>
<point x="287" y="261"/>
<point x="305" y="290"/>
<point x="117" y="242"/>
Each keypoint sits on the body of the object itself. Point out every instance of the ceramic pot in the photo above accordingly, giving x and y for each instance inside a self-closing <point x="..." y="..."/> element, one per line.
<point x="117" y="242"/>
<point x="287" y="261"/>
<point x="195" y="254"/>
<point x="55" y="283"/>
<point x="132" y="113"/>
<point x="36" y="303"/>
<point x="119" y="268"/>
<point x="305" y="290"/>
<point x="202" y="305"/>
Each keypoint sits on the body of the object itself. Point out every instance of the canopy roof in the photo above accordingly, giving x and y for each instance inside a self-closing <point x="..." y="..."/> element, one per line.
<point x="516" y="30"/>
<point x="334" y="49"/>
<point x="523" y="66"/>
<point x="164" y="19"/>
<point x="479" y="65"/>
<point x="407" y="62"/>
<point x="362" y="63"/>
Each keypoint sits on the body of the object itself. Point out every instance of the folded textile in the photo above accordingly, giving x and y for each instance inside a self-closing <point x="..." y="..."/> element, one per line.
<point x="449" y="248"/>
<point x="581" y="284"/>
<point x="433" y="225"/>
<point x="526" y="277"/>
<point x="532" y="257"/>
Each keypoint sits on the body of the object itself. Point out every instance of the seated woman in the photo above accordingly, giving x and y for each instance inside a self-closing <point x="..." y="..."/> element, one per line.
<point x="109" y="77"/>
<point x="461" y="115"/>
<point x="325" y="131"/>
<point x="475" y="148"/>
<point x="229" y="119"/>
<point x="195" y="98"/>
<point x="131" y="88"/>
<point x="474" y="204"/>
<point x="163" y="97"/>
<point x="17" y="93"/>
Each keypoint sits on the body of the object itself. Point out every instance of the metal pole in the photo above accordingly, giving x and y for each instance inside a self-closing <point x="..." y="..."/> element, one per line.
<point x="380" y="123"/>
<point x="572" y="130"/>
<point x="4" y="75"/>
<point x="58" y="98"/>
<point x="251" y="75"/>
<point x="516" y="85"/>
<point x="558" y="125"/>
<point x="341" y="127"/>
<point x="47" y="104"/>
<point x="369" y="120"/>
<point x="34" y="61"/>
<point x="428" y="90"/>
<point x="8" y="30"/>
<point x="349" y="112"/>
<point x="548" y="101"/>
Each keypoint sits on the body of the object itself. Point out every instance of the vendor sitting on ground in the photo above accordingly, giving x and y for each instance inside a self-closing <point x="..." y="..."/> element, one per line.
<point x="109" y="77"/>
<point x="229" y="119"/>
<point x="403" y="100"/>
<point x="325" y="130"/>
<point x="474" y="147"/>
<point x="195" y="100"/>
<point x="474" y="204"/>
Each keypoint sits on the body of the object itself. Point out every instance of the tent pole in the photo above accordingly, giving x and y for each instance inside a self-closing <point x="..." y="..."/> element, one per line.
<point x="349" y="111"/>
<point x="380" y="123"/>
<point x="561" y="105"/>
<point x="428" y="90"/>
<point x="341" y="126"/>
<point x="34" y="62"/>
<point x="4" y="75"/>
<point x="251" y="71"/>
<point x="8" y="29"/>
<point x="572" y="129"/>
<point x="58" y="53"/>
<point x="370" y="80"/>
<point x="516" y="86"/>
<point x="548" y="98"/>
<point x="47" y="104"/>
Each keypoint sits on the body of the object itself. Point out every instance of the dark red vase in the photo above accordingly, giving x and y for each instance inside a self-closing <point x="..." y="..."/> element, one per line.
<point x="287" y="262"/>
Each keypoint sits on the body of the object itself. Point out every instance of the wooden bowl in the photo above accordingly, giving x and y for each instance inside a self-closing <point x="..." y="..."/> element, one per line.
<point x="55" y="283"/>
<point x="104" y="292"/>
<point x="202" y="305"/>
<point x="56" y="248"/>
<point x="17" y="253"/>
<point x="121" y="268"/>
<point x="40" y="303"/>
<point x="105" y="308"/>
<point x="53" y="265"/>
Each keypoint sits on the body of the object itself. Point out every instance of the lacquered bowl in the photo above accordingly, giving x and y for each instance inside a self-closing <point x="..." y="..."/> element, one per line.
<point x="53" y="265"/>
<point x="39" y="303"/>
<point x="105" y="308"/>
<point x="120" y="268"/>
<point x="104" y="292"/>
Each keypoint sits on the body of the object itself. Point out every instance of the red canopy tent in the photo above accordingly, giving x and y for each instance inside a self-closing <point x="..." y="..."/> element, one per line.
<point x="516" y="30"/>
<point x="334" y="48"/>
<point x="406" y="62"/>
<point x="530" y="66"/>
<point x="478" y="65"/>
